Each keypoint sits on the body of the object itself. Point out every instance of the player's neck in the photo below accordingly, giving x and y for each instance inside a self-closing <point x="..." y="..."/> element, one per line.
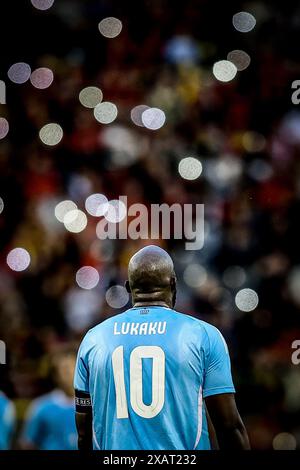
<point x="149" y="303"/>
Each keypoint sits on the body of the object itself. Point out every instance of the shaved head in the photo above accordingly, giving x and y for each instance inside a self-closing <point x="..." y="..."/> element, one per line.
<point x="151" y="277"/>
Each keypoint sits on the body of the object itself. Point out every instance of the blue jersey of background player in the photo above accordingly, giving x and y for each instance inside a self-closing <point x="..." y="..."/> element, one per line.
<point x="144" y="378"/>
<point x="50" y="423"/>
<point x="7" y="422"/>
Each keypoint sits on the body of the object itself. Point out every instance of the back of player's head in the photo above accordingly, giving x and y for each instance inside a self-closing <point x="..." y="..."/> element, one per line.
<point x="151" y="275"/>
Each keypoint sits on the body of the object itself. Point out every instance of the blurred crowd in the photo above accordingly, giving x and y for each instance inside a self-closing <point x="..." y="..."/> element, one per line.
<point x="246" y="133"/>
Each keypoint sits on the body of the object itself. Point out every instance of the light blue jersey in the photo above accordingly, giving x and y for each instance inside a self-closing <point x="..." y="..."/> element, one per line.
<point x="147" y="372"/>
<point x="50" y="423"/>
<point x="7" y="422"/>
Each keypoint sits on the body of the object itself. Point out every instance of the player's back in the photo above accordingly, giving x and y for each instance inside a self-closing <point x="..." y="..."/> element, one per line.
<point x="146" y="372"/>
<point x="50" y="422"/>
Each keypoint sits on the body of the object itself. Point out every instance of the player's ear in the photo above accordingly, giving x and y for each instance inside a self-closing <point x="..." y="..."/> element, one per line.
<point x="127" y="287"/>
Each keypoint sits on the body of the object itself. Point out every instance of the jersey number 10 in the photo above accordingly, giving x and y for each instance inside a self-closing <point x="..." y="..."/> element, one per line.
<point x="136" y="381"/>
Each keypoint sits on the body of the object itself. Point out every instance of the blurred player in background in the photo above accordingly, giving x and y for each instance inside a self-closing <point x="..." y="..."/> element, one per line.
<point x="7" y="422"/>
<point x="141" y="376"/>
<point x="50" y="423"/>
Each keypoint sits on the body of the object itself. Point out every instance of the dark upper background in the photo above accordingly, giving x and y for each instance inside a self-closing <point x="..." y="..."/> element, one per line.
<point x="246" y="134"/>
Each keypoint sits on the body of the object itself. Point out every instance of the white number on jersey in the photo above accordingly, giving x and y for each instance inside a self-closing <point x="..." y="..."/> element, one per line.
<point x="136" y="381"/>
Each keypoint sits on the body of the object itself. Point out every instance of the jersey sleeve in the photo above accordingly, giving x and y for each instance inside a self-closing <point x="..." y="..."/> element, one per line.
<point x="81" y="376"/>
<point x="217" y="376"/>
<point x="83" y="403"/>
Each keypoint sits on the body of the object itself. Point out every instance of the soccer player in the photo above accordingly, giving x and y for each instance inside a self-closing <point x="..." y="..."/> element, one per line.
<point x="50" y="422"/>
<point x="144" y="378"/>
<point x="7" y="422"/>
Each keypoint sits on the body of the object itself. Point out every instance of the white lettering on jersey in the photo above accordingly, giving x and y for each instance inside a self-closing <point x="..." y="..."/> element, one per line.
<point x="151" y="328"/>
<point x="161" y="328"/>
<point x="125" y="328"/>
<point x="143" y="328"/>
<point x="134" y="330"/>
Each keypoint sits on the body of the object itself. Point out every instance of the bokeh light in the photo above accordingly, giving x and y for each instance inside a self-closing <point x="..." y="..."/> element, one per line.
<point x="243" y="21"/>
<point x="116" y="211"/>
<point x="117" y="296"/>
<point x="62" y="208"/>
<point x="19" y="73"/>
<point x="190" y="168"/>
<point x="105" y="112"/>
<point x="136" y="114"/>
<point x="195" y="275"/>
<point x="284" y="441"/>
<point x="18" y="259"/>
<point x="182" y="49"/>
<point x="82" y="308"/>
<point x="44" y="211"/>
<point x="153" y="118"/>
<point x="96" y="205"/>
<point x="224" y="70"/>
<point x="240" y="59"/>
<point x="260" y="170"/>
<point x="253" y="141"/>
<point x="51" y="134"/>
<point x="224" y="171"/>
<point x="75" y="221"/>
<point x="1" y="205"/>
<point x="290" y="127"/>
<point x="42" y="4"/>
<point x="90" y="96"/>
<point x="42" y="78"/>
<point x="234" y="277"/>
<point x="124" y="144"/>
<point x="110" y="27"/>
<point x="103" y="250"/>
<point x="4" y="127"/>
<point x="87" y="277"/>
<point x="246" y="300"/>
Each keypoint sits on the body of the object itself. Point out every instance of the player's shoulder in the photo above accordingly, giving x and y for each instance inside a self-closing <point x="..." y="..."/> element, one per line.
<point x="94" y="335"/>
<point x="7" y="407"/>
<point x="4" y="400"/>
<point x="207" y="329"/>
<point x="193" y="321"/>
<point x="41" y="403"/>
<point x="99" y="329"/>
